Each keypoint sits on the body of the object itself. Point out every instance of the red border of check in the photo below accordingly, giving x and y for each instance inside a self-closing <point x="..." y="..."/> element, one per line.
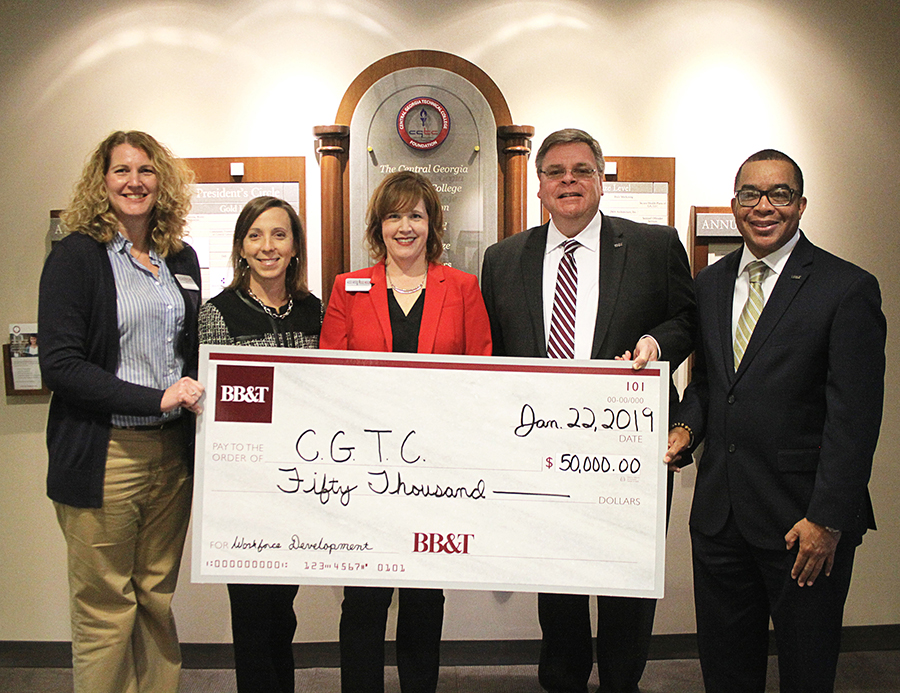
<point x="433" y="365"/>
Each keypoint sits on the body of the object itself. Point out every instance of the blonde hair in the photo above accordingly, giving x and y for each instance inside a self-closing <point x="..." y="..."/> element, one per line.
<point x="90" y="213"/>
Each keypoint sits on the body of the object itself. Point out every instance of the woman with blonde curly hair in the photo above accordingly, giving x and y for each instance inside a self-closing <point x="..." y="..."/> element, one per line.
<point x="117" y="325"/>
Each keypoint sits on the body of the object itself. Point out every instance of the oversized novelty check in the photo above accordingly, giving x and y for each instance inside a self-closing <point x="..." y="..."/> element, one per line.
<point x="356" y="468"/>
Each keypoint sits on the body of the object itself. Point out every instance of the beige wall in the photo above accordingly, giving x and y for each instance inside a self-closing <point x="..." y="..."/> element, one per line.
<point x="705" y="82"/>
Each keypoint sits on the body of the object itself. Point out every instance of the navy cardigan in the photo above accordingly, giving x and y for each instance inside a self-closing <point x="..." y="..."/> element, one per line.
<point x="79" y="350"/>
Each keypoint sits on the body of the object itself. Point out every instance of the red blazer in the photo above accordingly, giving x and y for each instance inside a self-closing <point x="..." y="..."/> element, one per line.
<point x="454" y="319"/>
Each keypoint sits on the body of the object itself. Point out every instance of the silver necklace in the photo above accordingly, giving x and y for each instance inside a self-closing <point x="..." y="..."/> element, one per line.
<point x="405" y="291"/>
<point x="271" y="311"/>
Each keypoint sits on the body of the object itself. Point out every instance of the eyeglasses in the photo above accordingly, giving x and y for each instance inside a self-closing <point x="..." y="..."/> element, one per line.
<point x="780" y="196"/>
<point x="558" y="172"/>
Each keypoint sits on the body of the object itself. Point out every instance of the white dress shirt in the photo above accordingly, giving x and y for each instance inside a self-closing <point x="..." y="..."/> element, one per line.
<point x="587" y="299"/>
<point x="775" y="261"/>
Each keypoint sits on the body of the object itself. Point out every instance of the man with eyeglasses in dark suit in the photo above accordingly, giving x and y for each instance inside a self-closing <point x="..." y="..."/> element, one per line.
<point x="787" y="392"/>
<point x="589" y="286"/>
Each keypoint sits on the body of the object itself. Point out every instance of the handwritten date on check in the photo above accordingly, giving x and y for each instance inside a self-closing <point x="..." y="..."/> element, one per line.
<point x="357" y="468"/>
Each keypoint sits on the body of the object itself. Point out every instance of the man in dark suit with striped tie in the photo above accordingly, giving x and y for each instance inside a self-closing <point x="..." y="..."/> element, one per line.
<point x="787" y="394"/>
<point x="589" y="286"/>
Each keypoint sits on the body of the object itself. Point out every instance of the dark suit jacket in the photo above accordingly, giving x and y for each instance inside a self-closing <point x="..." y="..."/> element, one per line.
<point x="454" y="320"/>
<point x="645" y="288"/>
<point x="793" y="432"/>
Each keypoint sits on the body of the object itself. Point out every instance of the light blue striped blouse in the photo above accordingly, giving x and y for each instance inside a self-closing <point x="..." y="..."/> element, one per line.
<point x="151" y="317"/>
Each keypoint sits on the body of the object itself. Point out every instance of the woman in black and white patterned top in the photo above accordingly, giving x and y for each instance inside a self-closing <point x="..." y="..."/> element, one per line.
<point x="266" y="304"/>
<point x="233" y="317"/>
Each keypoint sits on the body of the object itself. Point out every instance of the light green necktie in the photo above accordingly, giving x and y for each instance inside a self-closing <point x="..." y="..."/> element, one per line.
<point x="751" y="311"/>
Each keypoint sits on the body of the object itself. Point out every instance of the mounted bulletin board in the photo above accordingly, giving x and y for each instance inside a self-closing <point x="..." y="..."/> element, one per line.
<point x="223" y="187"/>
<point x="643" y="169"/>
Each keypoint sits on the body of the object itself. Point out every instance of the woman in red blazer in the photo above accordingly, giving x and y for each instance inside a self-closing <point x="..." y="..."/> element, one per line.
<point x="406" y="302"/>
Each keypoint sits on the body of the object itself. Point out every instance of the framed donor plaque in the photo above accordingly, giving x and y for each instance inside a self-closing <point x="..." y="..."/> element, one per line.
<point x="435" y="114"/>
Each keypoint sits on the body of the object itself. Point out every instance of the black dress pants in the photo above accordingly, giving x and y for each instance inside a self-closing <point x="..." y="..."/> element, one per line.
<point x="420" y="618"/>
<point x="262" y="626"/>
<point x="624" y="628"/>
<point x="737" y="587"/>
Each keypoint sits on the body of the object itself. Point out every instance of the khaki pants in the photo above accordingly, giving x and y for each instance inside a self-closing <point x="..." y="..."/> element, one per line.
<point x="123" y="566"/>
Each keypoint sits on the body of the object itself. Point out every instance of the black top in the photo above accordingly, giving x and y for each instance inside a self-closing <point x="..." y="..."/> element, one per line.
<point x="405" y="326"/>
<point x="232" y="317"/>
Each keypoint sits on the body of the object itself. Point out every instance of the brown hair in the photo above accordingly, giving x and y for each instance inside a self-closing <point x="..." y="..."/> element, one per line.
<point x="400" y="192"/>
<point x="295" y="277"/>
<point x="568" y="136"/>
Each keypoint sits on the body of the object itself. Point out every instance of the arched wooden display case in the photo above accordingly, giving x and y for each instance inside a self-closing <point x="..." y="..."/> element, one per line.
<point x="334" y="147"/>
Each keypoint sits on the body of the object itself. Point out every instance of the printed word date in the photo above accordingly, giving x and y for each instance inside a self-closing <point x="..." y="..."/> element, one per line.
<point x="609" y="419"/>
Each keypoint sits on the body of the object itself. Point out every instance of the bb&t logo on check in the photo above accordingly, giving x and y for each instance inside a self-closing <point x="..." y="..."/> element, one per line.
<point x="244" y="393"/>
<point x="432" y="542"/>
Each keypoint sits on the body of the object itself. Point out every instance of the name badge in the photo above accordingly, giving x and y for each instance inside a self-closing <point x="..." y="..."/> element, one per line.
<point x="357" y="284"/>
<point x="187" y="282"/>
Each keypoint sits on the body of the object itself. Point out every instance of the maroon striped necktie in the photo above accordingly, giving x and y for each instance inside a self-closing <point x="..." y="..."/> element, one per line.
<point x="561" y="344"/>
